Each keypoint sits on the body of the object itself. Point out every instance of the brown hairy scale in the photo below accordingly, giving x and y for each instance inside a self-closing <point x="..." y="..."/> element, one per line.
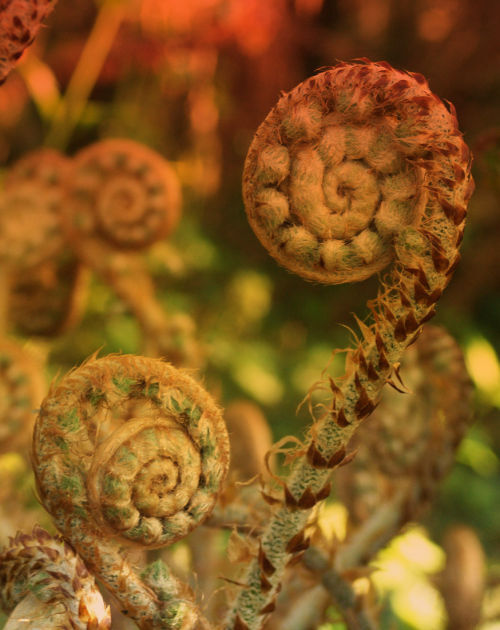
<point x="20" y="21"/>
<point x="411" y="438"/>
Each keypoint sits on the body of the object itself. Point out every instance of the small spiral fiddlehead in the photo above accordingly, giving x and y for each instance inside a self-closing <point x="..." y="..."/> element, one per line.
<point x="356" y="167"/>
<point x="20" y="21"/>
<point x="30" y="210"/>
<point x="21" y="390"/>
<point x="129" y="450"/>
<point x="120" y="199"/>
<point x="49" y="569"/>
<point x="122" y="195"/>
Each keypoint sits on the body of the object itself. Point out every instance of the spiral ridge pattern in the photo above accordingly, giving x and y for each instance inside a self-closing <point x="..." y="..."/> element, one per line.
<point x="130" y="446"/>
<point x="44" y="565"/>
<point x="123" y="194"/>
<point x="343" y="163"/>
<point x="30" y="210"/>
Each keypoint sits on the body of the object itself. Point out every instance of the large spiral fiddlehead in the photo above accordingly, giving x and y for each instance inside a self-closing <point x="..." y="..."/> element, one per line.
<point x="129" y="450"/>
<point x="359" y="160"/>
<point x="43" y="574"/>
<point x="344" y="163"/>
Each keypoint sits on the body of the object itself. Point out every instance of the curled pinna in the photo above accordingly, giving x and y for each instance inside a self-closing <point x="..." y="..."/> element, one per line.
<point x="45" y="585"/>
<point x="121" y="198"/>
<point x="346" y="161"/>
<point x="122" y="195"/>
<point x="129" y="450"/>
<point x="355" y="169"/>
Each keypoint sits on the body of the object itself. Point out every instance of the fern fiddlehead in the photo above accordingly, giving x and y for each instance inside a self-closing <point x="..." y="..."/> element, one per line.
<point x="63" y="593"/>
<point x="357" y="167"/>
<point x="120" y="199"/>
<point x="130" y="451"/>
<point x="30" y="210"/>
<point x="46" y="285"/>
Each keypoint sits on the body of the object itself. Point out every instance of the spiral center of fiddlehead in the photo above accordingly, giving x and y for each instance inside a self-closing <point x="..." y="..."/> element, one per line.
<point x="130" y="450"/>
<point x="147" y="467"/>
<point x="122" y="195"/>
<point x="328" y="186"/>
<point x="122" y="199"/>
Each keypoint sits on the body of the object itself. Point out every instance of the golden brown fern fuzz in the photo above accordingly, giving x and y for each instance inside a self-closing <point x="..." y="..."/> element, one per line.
<point x="20" y="21"/>
<point x="65" y="593"/>
<point x="129" y="450"/>
<point x="347" y="160"/>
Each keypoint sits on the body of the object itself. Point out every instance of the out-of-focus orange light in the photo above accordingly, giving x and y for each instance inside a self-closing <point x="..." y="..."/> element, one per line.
<point x="436" y="22"/>
<point x="373" y="17"/>
<point x="308" y="7"/>
<point x="204" y="114"/>
<point x="179" y="16"/>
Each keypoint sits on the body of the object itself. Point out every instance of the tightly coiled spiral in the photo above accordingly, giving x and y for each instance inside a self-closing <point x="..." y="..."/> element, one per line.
<point x="121" y="194"/>
<point x="21" y="390"/>
<point x="131" y="444"/>
<point x="129" y="450"/>
<point x="346" y="161"/>
<point x="20" y="21"/>
<point x="30" y="210"/>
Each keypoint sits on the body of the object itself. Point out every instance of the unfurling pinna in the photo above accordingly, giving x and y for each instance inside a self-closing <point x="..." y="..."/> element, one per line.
<point x="131" y="451"/>
<point x="357" y="167"/>
<point x="46" y="586"/>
